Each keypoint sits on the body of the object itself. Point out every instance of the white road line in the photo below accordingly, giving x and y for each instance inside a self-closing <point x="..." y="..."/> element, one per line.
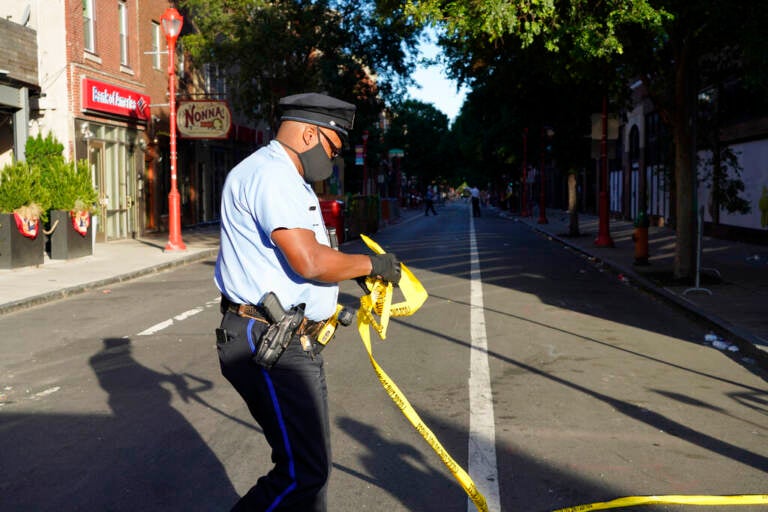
<point x="482" y="431"/>
<point x="156" y="328"/>
<point x="187" y="314"/>
<point x="180" y="317"/>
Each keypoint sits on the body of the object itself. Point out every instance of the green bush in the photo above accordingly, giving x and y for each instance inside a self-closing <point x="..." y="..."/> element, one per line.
<point x="69" y="185"/>
<point x="46" y="181"/>
<point x="41" y="151"/>
<point x="21" y="185"/>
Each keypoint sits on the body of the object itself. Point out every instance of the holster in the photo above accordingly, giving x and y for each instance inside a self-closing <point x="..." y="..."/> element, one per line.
<point x="263" y="338"/>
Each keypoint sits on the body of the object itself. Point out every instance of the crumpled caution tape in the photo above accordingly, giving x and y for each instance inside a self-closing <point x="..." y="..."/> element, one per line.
<point x="379" y="302"/>
<point x="630" y="501"/>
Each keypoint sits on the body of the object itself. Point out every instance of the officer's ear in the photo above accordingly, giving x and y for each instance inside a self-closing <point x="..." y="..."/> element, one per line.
<point x="309" y="135"/>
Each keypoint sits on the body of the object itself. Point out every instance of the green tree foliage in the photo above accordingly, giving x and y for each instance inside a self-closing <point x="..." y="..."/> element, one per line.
<point x="666" y="43"/>
<point x="276" y="48"/>
<point x="422" y="132"/>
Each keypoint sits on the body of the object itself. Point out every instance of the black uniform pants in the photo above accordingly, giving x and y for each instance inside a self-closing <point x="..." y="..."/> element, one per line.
<point x="290" y="403"/>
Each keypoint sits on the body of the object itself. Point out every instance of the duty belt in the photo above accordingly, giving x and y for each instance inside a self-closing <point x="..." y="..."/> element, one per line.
<point x="308" y="327"/>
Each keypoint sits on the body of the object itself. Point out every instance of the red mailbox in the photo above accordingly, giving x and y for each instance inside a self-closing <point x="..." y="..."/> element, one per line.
<point x="333" y="216"/>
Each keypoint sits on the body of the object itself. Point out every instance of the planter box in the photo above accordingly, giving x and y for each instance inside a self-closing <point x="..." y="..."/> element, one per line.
<point x="64" y="242"/>
<point x="16" y="250"/>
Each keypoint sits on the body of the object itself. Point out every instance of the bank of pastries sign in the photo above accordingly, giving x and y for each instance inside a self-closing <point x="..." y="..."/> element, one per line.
<point x="203" y="119"/>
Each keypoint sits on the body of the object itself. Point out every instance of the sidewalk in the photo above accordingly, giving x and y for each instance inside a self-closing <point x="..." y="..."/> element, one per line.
<point x="111" y="262"/>
<point x="736" y="274"/>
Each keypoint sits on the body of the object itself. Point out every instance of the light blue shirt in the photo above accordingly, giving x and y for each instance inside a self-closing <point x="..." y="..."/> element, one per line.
<point x="262" y="193"/>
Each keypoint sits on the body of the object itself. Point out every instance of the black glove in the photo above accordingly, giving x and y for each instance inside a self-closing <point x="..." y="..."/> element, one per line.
<point x="387" y="266"/>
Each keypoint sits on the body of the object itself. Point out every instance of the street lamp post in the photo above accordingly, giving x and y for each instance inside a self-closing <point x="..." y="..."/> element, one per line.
<point x="524" y="201"/>
<point x="604" y="235"/>
<point x="365" y="164"/>
<point x="172" y="22"/>
<point x="542" y="197"/>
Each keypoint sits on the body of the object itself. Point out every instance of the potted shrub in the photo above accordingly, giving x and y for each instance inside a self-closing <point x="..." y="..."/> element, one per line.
<point x="72" y="198"/>
<point x="23" y="209"/>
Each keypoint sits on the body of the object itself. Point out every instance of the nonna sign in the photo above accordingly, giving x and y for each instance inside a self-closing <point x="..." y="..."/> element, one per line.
<point x="203" y="119"/>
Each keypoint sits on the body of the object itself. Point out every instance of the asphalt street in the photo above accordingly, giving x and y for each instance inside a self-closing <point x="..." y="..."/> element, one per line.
<point x="113" y="398"/>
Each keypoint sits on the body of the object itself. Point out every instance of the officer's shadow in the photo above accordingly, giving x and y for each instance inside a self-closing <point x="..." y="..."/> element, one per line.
<point x="153" y="458"/>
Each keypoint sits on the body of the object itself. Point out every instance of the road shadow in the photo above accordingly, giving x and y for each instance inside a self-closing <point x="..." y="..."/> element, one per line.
<point x="141" y="455"/>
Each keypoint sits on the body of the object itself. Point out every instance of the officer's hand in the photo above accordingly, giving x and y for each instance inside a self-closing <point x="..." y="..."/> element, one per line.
<point x="386" y="266"/>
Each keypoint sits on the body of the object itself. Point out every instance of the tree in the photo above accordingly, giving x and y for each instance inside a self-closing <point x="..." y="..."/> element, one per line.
<point x="280" y="47"/>
<point x="421" y="130"/>
<point x="664" y="43"/>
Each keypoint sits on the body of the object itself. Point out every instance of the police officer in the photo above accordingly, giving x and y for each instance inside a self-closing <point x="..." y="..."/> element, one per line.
<point x="273" y="239"/>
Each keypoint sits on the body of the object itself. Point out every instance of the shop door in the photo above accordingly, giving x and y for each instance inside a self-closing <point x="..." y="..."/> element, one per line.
<point x="112" y="170"/>
<point x="96" y="163"/>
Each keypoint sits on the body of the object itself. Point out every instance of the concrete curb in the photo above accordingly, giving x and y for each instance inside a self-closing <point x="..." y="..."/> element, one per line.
<point x="747" y="342"/>
<point x="81" y="288"/>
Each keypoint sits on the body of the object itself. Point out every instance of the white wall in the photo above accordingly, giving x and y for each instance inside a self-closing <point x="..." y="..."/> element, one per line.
<point x="48" y="20"/>
<point x="753" y="158"/>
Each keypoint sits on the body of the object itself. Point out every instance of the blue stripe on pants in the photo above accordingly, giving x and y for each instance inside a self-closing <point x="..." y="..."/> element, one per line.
<point x="286" y="442"/>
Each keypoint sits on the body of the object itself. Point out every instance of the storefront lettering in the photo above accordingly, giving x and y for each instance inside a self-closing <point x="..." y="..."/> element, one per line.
<point x="101" y="97"/>
<point x="204" y="117"/>
<point x="112" y="98"/>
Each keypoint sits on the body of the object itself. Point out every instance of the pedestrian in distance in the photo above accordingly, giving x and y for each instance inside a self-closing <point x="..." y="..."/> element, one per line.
<point x="475" y="193"/>
<point x="278" y="278"/>
<point x="429" y="202"/>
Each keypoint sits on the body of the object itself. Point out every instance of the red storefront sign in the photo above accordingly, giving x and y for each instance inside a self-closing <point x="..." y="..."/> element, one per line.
<point x="112" y="99"/>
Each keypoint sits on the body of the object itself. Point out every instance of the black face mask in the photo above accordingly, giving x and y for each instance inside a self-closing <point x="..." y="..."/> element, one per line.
<point x="317" y="166"/>
<point x="315" y="162"/>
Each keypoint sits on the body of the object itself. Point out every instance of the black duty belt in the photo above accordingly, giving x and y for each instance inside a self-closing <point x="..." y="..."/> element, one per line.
<point x="309" y="327"/>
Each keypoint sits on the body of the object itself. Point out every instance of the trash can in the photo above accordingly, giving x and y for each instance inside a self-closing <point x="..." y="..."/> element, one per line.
<point x="333" y="216"/>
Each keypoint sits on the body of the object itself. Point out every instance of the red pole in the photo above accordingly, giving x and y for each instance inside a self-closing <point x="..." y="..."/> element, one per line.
<point x="175" y="242"/>
<point x="524" y="201"/>
<point x="365" y="165"/>
<point x="542" y="196"/>
<point x="604" y="236"/>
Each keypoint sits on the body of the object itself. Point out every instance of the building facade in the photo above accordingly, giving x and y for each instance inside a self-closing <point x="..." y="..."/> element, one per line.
<point x="99" y="84"/>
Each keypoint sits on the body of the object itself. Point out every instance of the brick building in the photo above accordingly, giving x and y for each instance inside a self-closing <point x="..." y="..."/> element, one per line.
<point x="101" y="87"/>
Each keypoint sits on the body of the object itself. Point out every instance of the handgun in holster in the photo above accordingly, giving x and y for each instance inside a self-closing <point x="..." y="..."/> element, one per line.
<point x="283" y="325"/>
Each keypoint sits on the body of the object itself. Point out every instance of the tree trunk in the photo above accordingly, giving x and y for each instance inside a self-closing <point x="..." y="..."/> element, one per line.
<point x="573" y="211"/>
<point x="685" y="173"/>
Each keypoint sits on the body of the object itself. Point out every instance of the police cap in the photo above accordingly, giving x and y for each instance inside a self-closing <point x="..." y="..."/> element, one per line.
<point x="319" y="109"/>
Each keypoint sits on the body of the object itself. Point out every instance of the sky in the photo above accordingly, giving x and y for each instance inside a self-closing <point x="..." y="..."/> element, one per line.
<point x="435" y="86"/>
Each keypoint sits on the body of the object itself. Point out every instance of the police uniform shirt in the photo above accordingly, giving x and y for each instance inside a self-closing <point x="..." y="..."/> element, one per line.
<point x="262" y="193"/>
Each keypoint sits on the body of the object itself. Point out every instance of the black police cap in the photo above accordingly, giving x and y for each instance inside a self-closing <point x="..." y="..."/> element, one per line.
<point x="319" y="109"/>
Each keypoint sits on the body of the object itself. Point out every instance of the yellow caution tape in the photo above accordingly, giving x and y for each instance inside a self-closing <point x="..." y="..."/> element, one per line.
<point x="379" y="302"/>
<point x="744" y="499"/>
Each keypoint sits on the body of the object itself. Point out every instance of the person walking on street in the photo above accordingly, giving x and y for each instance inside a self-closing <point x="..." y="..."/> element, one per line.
<point x="278" y="278"/>
<point x="429" y="202"/>
<point x="475" y="193"/>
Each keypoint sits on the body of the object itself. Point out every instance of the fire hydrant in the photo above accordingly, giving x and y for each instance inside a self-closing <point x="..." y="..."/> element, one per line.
<point x="640" y="237"/>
